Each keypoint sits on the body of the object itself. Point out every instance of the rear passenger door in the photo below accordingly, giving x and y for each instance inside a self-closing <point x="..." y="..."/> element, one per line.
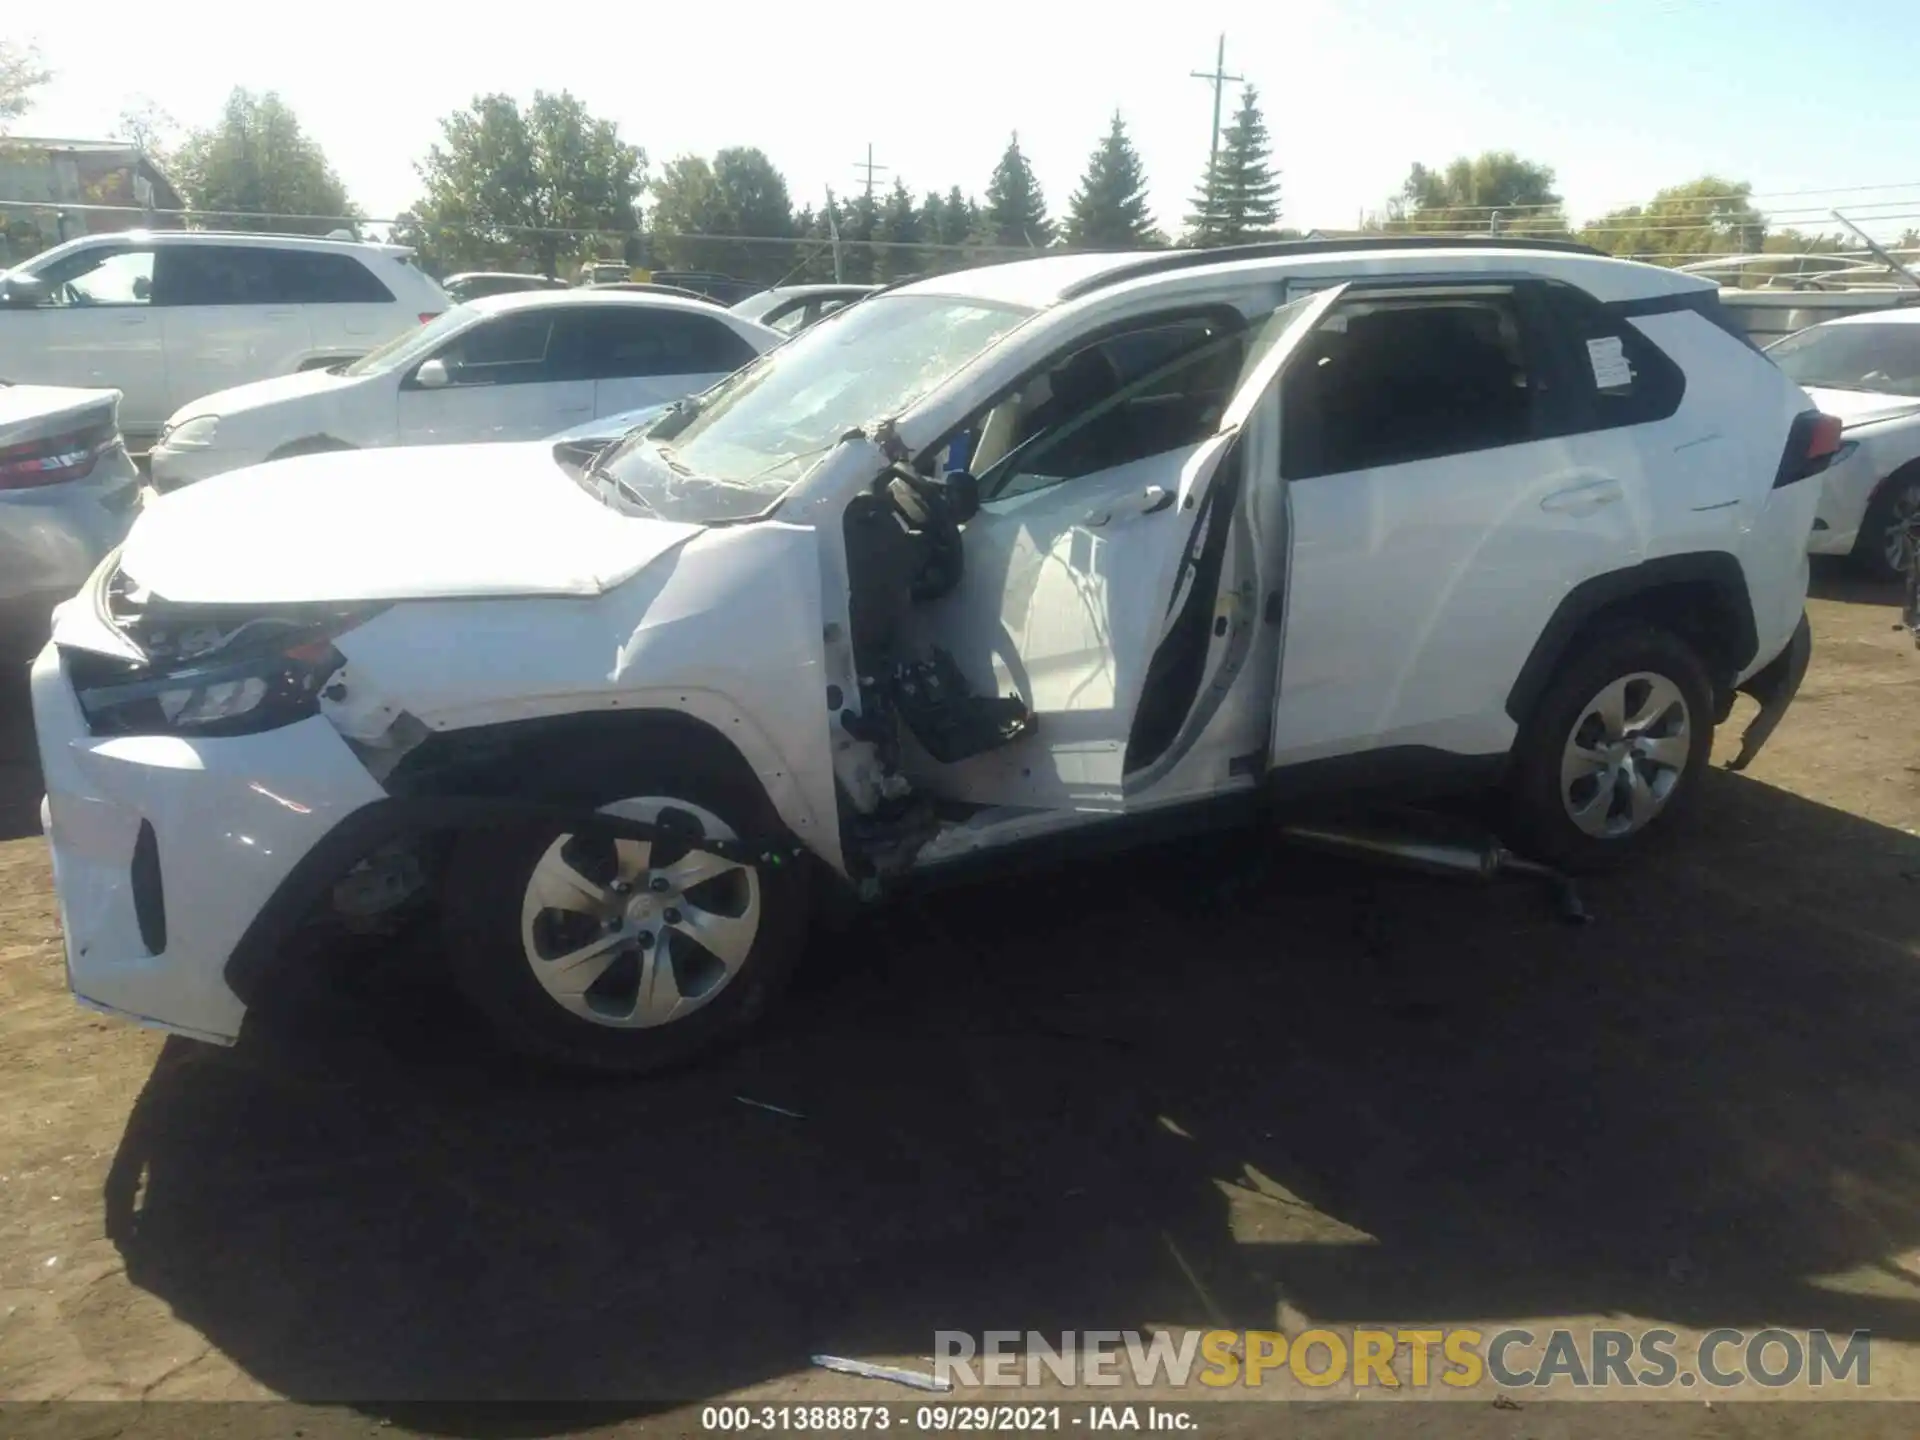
<point x="514" y="376"/>
<point x="347" y="307"/>
<point x="228" y="318"/>
<point x="647" y="355"/>
<point x="1441" y="502"/>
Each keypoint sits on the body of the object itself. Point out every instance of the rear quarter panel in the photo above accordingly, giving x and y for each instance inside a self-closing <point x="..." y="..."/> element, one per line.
<point x="1740" y="409"/>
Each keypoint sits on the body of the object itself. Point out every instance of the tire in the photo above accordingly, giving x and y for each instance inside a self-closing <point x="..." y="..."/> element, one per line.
<point x="502" y="934"/>
<point x="1651" y="767"/>
<point x="1883" y="549"/>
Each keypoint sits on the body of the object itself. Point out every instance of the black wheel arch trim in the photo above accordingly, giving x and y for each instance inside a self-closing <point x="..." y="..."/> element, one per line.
<point x="466" y="779"/>
<point x="1718" y="571"/>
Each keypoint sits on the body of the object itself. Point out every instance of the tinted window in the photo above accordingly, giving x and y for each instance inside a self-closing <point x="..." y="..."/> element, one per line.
<point x="1386" y="381"/>
<point x="507" y="350"/>
<point x="315" y="277"/>
<point x="616" y="343"/>
<point x="99" y="277"/>
<point x="214" y="275"/>
<point x="1611" y="373"/>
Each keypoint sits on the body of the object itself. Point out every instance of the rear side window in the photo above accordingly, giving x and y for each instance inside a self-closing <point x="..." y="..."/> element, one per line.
<point x="315" y="277"/>
<point x="1610" y="373"/>
<point x="1388" y="380"/>
<point x="261" y="275"/>
<point x="626" y="342"/>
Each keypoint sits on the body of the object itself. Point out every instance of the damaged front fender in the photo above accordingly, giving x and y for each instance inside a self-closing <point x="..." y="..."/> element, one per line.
<point x="1774" y="686"/>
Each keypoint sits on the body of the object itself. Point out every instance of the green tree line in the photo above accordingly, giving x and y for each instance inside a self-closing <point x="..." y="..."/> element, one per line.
<point x="548" y="185"/>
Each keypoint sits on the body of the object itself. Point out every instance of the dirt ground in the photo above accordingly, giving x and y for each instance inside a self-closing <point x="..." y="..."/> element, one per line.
<point x="1044" y="1106"/>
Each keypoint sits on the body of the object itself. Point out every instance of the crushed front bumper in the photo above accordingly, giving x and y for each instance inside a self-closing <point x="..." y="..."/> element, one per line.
<point x="165" y="848"/>
<point x="1774" y="685"/>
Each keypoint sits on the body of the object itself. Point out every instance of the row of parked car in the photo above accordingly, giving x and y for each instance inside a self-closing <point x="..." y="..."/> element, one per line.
<point x="1062" y="550"/>
<point x="228" y="350"/>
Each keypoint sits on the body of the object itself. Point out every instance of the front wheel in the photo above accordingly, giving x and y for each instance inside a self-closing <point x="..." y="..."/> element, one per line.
<point x="1885" y="546"/>
<point x="594" y="950"/>
<point x="1613" y="749"/>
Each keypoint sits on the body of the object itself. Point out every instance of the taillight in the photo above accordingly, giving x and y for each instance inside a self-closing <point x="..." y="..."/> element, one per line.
<point x="426" y="315"/>
<point x="69" y="456"/>
<point x="1812" y="444"/>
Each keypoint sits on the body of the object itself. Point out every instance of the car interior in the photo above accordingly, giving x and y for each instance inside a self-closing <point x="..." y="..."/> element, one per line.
<point x="1384" y="380"/>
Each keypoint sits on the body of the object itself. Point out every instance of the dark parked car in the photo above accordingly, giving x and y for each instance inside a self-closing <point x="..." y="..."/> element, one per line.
<point x="792" y="308"/>
<point x="472" y="284"/>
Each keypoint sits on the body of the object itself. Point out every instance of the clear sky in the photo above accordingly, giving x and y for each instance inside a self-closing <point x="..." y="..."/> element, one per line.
<point x="1620" y="96"/>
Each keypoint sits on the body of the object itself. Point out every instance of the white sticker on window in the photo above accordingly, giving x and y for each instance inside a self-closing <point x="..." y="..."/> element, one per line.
<point x="1609" y="360"/>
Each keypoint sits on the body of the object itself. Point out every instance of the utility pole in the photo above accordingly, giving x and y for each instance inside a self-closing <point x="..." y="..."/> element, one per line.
<point x="1219" y="79"/>
<point x="869" y="169"/>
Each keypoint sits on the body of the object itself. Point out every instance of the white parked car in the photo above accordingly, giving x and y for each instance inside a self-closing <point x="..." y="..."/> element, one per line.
<point x="1000" y="559"/>
<point x="1866" y="370"/>
<point x="503" y="367"/>
<point x="166" y="315"/>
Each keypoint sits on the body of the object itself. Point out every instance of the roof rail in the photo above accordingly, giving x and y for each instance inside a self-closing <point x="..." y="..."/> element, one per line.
<point x="1283" y="249"/>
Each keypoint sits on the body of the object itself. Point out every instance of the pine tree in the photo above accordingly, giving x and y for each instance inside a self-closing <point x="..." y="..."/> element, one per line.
<point x="959" y="218"/>
<point x="900" y="228"/>
<point x="1016" y="213"/>
<point x="1239" y="199"/>
<point x="1109" y="210"/>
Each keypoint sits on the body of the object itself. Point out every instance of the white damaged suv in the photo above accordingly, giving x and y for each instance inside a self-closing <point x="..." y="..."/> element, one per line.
<point x="993" y="560"/>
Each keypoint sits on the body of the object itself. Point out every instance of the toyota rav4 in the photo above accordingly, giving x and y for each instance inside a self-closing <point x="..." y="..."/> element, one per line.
<point x="1063" y="548"/>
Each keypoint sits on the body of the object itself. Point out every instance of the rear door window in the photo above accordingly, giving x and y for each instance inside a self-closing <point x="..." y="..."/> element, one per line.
<point x="1388" y="380"/>
<point x="625" y="342"/>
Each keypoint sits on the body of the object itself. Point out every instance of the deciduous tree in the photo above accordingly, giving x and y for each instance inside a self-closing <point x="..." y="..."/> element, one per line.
<point x="541" y="182"/>
<point x="256" y="169"/>
<point x="1494" y="193"/>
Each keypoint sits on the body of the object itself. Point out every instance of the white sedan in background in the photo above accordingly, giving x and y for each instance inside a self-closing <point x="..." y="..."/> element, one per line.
<point x="505" y="367"/>
<point x="1866" y="370"/>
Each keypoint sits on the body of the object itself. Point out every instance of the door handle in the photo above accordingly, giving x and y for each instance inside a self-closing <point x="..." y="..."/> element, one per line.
<point x="1152" y="501"/>
<point x="133" y="319"/>
<point x="1585" y="498"/>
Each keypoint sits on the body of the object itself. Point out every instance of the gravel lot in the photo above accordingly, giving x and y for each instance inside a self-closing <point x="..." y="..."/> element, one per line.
<point x="1700" y="1110"/>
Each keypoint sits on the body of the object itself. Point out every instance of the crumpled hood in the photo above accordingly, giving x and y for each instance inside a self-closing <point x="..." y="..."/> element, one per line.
<point x="1862" y="407"/>
<point x="424" y="522"/>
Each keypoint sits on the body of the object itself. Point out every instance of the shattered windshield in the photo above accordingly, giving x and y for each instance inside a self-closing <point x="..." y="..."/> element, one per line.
<point x="1865" y="356"/>
<point x="749" y="439"/>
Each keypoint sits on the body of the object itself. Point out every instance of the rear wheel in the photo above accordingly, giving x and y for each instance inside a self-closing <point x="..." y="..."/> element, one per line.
<point x="1613" y="749"/>
<point x="591" y="949"/>
<point x="1885" y="546"/>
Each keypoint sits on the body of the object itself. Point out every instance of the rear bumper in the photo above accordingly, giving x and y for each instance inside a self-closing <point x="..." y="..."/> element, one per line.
<point x="51" y="539"/>
<point x="165" y="849"/>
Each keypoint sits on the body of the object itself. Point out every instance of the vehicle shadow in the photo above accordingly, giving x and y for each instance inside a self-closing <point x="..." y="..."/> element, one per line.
<point x="20" y="785"/>
<point x="1834" y="577"/>
<point x="1184" y="1088"/>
